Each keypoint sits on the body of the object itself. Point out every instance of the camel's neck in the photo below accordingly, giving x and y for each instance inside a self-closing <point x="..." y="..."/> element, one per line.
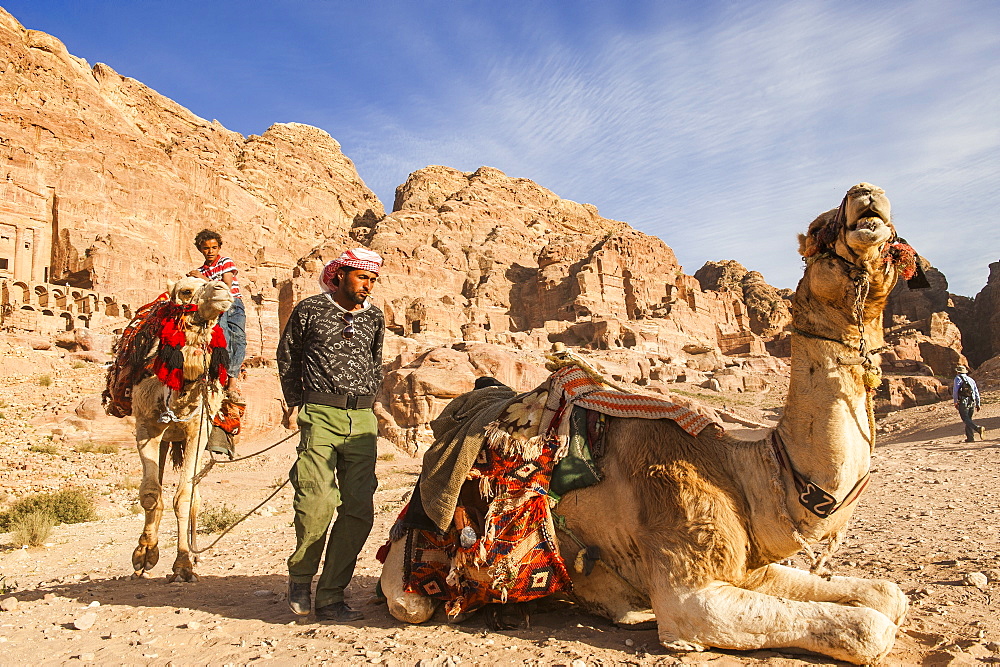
<point x="825" y="426"/>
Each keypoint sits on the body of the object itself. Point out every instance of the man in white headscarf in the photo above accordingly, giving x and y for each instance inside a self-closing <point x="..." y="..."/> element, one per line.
<point x="330" y="363"/>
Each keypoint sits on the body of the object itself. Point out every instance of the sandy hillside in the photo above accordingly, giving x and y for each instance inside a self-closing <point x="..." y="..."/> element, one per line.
<point x="929" y="518"/>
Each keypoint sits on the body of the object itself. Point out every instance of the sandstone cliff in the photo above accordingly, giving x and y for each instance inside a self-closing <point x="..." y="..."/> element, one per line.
<point x="106" y="182"/>
<point x="482" y="261"/>
<point x="983" y="330"/>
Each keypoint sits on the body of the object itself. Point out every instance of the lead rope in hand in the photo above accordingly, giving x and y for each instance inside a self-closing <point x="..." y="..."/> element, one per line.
<point x="200" y="475"/>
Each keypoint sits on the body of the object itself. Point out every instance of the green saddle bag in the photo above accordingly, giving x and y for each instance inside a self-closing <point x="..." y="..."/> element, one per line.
<point x="577" y="469"/>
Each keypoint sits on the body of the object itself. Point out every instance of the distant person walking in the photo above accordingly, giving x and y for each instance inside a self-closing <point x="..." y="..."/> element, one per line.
<point x="965" y="393"/>
<point x="233" y="321"/>
<point x="330" y="362"/>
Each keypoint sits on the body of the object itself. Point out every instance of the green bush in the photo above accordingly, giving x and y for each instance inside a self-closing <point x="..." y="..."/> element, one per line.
<point x="32" y="528"/>
<point x="65" y="506"/>
<point x="107" y="448"/>
<point x="217" y="519"/>
<point x="44" y="381"/>
<point x="47" y="448"/>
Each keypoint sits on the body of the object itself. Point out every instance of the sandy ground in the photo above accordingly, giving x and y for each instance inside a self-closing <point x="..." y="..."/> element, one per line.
<point x="930" y="517"/>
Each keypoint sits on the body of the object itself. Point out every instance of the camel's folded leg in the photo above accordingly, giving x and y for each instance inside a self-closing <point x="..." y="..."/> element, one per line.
<point x="404" y="606"/>
<point x="147" y="553"/>
<point x="604" y="594"/>
<point x="789" y="582"/>
<point x="724" y="616"/>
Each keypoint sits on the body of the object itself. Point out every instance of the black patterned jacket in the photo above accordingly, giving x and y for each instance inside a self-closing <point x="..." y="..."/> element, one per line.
<point x="313" y="354"/>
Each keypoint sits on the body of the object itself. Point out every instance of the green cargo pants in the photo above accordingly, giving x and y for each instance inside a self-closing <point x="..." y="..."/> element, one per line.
<point x="334" y="471"/>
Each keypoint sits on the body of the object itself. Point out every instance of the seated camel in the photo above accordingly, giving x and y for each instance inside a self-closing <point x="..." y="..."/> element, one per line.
<point x="690" y="528"/>
<point x="173" y="411"/>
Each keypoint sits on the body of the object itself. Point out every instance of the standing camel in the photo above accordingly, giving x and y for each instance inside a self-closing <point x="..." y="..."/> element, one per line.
<point x="173" y="414"/>
<point x="692" y="527"/>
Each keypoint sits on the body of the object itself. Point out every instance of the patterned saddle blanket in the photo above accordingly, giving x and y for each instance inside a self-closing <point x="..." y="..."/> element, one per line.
<point x="499" y="542"/>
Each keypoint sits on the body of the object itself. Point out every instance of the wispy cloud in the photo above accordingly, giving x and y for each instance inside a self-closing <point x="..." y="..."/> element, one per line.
<point x="721" y="127"/>
<point x="725" y="137"/>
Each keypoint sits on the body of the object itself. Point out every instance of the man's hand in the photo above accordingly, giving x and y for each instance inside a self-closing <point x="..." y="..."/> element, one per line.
<point x="195" y="273"/>
<point x="289" y="415"/>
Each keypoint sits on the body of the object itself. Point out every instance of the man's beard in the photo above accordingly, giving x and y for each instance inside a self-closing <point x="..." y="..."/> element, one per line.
<point x="356" y="297"/>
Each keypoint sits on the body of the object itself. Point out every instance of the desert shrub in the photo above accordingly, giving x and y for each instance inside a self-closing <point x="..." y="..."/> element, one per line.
<point x="128" y="482"/>
<point x="65" y="506"/>
<point x="388" y="456"/>
<point x="32" y="528"/>
<point x="107" y="448"/>
<point x="85" y="447"/>
<point x="7" y="585"/>
<point x="47" y="448"/>
<point x="44" y="380"/>
<point x="217" y="519"/>
<point x="79" y="364"/>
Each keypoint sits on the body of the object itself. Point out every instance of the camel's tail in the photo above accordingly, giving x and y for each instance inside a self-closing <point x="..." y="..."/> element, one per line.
<point x="175" y="450"/>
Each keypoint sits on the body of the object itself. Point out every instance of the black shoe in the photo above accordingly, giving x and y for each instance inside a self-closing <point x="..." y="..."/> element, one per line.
<point x="339" y="612"/>
<point x="299" y="598"/>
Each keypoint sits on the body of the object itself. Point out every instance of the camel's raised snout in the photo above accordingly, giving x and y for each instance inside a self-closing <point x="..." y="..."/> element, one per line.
<point x="867" y="217"/>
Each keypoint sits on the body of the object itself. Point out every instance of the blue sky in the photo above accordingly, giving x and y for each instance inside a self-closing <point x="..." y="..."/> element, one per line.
<point x="721" y="127"/>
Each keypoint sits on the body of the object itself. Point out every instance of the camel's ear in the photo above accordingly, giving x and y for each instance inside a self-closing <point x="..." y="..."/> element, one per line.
<point x="170" y="287"/>
<point x="821" y="235"/>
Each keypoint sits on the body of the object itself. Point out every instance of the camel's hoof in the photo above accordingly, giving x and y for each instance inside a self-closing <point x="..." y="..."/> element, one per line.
<point x="681" y="646"/>
<point x="145" y="558"/>
<point x="185" y="576"/>
<point x="140" y="574"/>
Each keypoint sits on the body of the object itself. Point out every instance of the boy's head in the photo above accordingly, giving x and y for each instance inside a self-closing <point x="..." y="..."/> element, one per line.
<point x="209" y="244"/>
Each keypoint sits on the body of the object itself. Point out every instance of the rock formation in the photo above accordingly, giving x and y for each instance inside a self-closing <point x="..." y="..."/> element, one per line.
<point x="481" y="260"/>
<point x="105" y="182"/>
<point x="983" y="332"/>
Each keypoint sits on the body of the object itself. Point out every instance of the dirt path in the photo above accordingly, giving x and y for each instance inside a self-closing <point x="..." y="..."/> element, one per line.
<point x="930" y="517"/>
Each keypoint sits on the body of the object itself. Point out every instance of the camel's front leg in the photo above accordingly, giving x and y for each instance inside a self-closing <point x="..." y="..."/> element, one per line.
<point x="789" y="582"/>
<point x="186" y="504"/>
<point x="145" y="556"/>
<point x="724" y="616"/>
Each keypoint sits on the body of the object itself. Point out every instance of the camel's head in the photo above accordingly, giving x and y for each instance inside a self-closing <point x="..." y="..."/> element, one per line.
<point x="856" y="232"/>
<point x="213" y="299"/>
<point x="853" y="259"/>
<point x="185" y="290"/>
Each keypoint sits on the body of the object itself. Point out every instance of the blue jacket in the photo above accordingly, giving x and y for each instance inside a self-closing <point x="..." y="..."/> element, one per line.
<point x="958" y="383"/>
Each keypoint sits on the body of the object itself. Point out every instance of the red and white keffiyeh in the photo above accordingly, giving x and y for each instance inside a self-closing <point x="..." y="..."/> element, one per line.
<point x="358" y="258"/>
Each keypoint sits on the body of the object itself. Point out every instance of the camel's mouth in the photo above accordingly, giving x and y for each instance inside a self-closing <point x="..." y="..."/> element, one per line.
<point x="869" y="222"/>
<point x="868" y="231"/>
